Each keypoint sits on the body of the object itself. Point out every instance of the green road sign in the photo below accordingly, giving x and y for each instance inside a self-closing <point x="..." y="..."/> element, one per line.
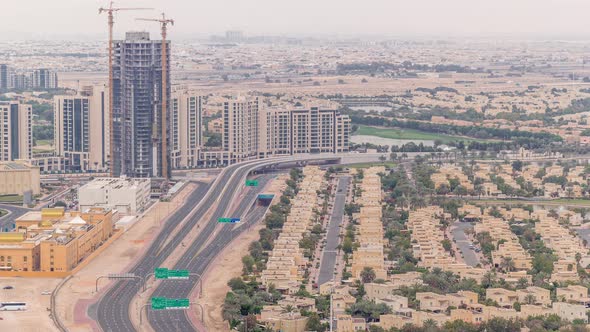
<point x="251" y="183"/>
<point x="159" y="303"/>
<point x="229" y="220"/>
<point x="178" y="274"/>
<point x="177" y="304"/>
<point x="161" y="273"/>
<point x="164" y="273"/>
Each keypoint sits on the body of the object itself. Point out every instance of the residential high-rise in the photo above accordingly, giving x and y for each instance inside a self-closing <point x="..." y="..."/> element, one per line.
<point x="185" y="129"/>
<point x="81" y="129"/>
<point x="4" y="77"/>
<point x="44" y="79"/>
<point x="15" y="131"/>
<point x="137" y="109"/>
<point x="297" y="131"/>
<point x="240" y="128"/>
<point x="20" y="81"/>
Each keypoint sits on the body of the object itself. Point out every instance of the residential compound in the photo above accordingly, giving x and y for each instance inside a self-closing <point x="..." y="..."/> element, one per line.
<point x="370" y="254"/>
<point x="16" y="139"/>
<point x="517" y="178"/>
<point x="81" y="129"/>
<point x="125" y="195"/>
<point x="52" y="240"/>
<point x="286" y="264"/>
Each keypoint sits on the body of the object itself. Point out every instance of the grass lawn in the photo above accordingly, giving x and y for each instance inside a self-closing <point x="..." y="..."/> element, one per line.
<point x="10" y="198"/>
<point x="3" y="212"/>
<point x="370" y="164"/>
<point x="41" y="142"/>
<point x="409" y="134"/>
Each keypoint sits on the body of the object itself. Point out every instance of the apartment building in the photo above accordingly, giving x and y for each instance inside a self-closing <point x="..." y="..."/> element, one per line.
<point x="137" y="106"/>
<point x="4" y="77"/>
<point x="81" y="130"/>
<point x="43" y="79"/>
<point x="240" y="128"/>
<point x="185" y="129"/>
<point x="52" y="240"/>
<point x="16" y="138"/>
<point x="251" y="132"/>
<point x="17" y="178"/>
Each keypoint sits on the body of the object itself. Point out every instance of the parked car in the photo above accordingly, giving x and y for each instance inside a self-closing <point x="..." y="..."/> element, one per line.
<point x="46" y="292"/>
<point x="8" y="287"/>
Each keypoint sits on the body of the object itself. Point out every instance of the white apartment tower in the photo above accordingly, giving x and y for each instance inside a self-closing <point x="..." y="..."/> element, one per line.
<point x="16" y="136"/>
<point x="311" y="130"/>
<point x="185" y="129"/>
<point x="81" y="129"/>
<point x="240" y="128"/>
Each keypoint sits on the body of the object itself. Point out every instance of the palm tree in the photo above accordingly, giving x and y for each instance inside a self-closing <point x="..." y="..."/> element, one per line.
<point x="289" y="309"/>
<point x="530" y="299"/>
<point x="522" y="283"/>
<point x="368" y="275"/>
<point x="507" y="264"/>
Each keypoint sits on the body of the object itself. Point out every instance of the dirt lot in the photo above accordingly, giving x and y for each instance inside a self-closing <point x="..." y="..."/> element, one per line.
<point x="228" y="265"/>
<point x="36" y="317"/>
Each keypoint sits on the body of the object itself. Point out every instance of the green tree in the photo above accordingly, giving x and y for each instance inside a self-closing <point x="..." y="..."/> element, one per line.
<point x="368" y="275"/>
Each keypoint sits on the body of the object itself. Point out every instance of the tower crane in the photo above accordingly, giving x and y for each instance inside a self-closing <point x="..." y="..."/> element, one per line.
<point x="110" y="10"/>
<point x="164" y="26"/>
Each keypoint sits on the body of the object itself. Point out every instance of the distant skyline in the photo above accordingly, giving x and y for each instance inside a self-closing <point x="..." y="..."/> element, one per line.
<point x="76" y="19"/>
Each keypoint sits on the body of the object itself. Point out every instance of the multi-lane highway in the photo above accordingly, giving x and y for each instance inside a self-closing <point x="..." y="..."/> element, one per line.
<point x="199" y="255"/>
<point x="113" y="310"/>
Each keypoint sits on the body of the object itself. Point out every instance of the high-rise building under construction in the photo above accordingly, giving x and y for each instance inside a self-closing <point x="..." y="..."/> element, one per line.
<point x="137" y="106"/>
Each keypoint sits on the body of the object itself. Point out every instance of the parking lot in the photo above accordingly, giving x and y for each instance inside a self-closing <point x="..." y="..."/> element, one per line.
<point x="36" y="318"/>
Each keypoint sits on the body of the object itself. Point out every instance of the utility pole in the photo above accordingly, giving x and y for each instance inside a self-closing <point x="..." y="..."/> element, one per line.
<point x="111" y="22"/>
<point x="164" y="130"/>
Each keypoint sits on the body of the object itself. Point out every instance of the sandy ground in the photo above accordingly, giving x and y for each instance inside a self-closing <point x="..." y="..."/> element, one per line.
<point x="118" y="257"/>
<point x="227" y="265"/>
<point x="36" y="318"/>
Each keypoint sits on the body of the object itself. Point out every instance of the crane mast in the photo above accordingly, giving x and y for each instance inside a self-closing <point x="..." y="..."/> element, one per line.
<point x="164" y="129"/>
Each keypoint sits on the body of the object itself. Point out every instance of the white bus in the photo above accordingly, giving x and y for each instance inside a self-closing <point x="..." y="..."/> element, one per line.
<point x="13" y="306"/>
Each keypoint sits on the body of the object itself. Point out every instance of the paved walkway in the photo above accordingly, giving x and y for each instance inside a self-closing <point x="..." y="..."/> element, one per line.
<point x="332" y="238"/>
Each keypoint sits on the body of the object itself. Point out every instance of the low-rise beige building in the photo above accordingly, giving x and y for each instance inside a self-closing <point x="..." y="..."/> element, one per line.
<point x="16" y="178"/>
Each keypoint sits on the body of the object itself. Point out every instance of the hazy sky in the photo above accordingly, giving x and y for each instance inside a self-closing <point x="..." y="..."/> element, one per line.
<point x="511" y="18"/>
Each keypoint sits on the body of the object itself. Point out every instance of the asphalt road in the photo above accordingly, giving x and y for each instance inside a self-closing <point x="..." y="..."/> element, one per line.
<point x="463" y="242"/>
<point x="14" y="213"/>
<point x="200" y="254"/>
<point x="112" y="311"/>
<point x="332" y="238"/>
